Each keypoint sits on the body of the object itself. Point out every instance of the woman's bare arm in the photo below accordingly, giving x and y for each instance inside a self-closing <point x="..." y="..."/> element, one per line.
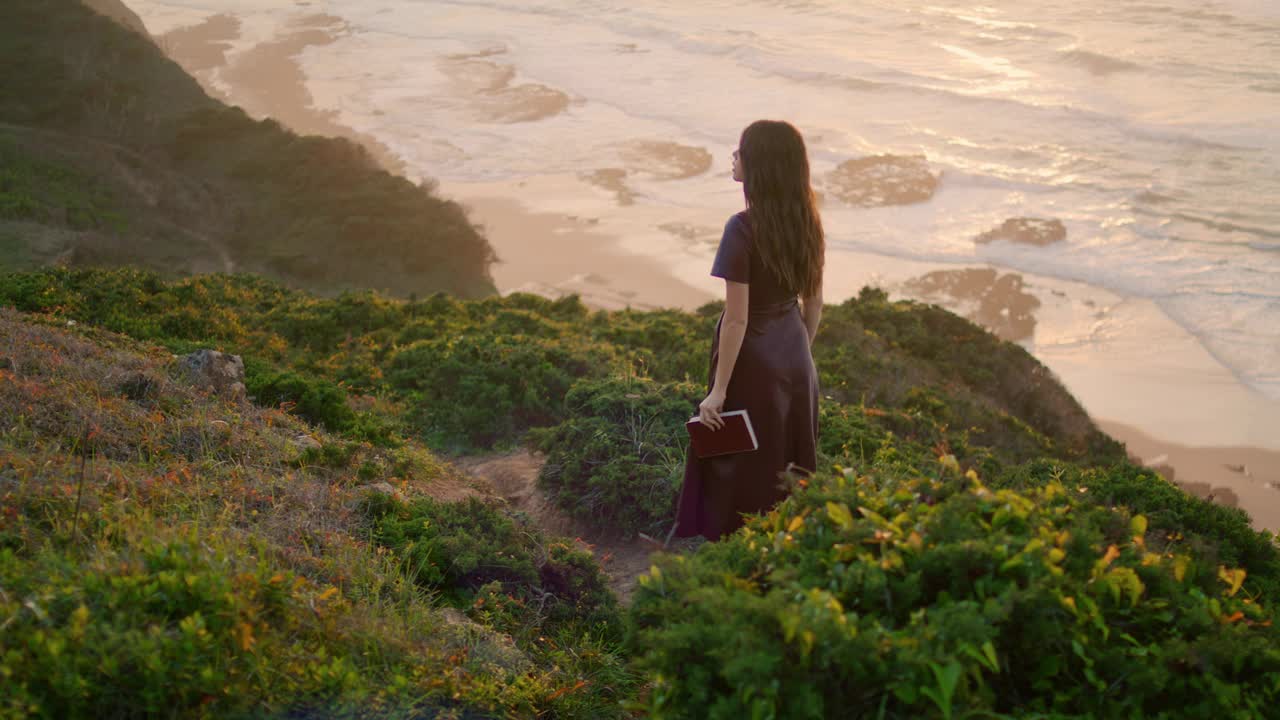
<point x="811" y="308"/>
<point x="733" y="328"/>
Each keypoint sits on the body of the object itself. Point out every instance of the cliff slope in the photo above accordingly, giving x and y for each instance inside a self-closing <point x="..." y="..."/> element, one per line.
<point x="111" y="154"/>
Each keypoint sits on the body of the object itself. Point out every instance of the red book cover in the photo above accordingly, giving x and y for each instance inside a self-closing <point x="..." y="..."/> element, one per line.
<point x="736" y="436"/>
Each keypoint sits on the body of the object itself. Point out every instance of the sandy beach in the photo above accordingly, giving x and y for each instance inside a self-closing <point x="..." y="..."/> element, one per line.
<point x="532" y="250"/>
<point x="571" y="252"/>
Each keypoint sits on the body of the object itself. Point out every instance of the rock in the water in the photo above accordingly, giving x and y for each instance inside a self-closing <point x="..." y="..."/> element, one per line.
<point x="882" y="180"/>
<point x="216" y="371"/>
<point x="1028" y="231"/>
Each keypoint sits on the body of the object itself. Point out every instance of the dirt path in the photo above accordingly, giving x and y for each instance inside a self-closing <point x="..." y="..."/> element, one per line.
<point x="514" y="476"/>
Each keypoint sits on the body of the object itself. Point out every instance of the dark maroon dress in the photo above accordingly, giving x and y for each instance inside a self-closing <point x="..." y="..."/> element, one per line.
<point x="775" y="381"/>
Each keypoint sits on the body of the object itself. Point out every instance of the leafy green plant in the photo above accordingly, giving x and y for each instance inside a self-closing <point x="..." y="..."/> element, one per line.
<point x="904" y="354"/>
<point x="164" y="627"/>
<point x="1222" y="534"/>
<point x="469" y="375"/>
<point x="316" y="400"/>
<point x="669" y="345"/>
<point x="908" y="591"/>
<point x="893" y="595"/>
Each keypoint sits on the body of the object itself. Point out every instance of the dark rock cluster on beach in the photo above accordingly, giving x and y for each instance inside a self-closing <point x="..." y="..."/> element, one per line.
<point x="998" y="302"/>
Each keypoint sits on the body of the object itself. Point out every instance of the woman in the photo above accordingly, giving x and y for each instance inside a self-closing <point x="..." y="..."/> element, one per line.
<point x="771" y="258"/>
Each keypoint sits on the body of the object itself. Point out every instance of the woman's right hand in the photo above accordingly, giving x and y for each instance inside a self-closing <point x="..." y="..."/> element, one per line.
<point x="710" y="408"/>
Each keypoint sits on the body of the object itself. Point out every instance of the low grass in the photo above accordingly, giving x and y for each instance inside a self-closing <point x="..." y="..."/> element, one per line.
<point x="164" y="551"/>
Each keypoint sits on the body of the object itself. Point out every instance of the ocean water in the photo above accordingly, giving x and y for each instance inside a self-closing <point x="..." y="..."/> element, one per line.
<point x="1151" y="129"/>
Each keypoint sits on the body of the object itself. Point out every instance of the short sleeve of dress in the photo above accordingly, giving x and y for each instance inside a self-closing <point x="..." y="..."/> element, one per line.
<point x="733" y="259"/>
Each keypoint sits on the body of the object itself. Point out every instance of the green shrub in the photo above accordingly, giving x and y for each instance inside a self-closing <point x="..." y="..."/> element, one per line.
<point x="318" y="401"/>
<point x="669" y="345"/>
<point x="895" y="597"/>
<point x="334" y="455"/>
<point x="505" y="574"/>
<point x="905" y="441"/>
<point x="850" y="433"/>
<point x="480" y="390"/>
<point x="167" y="628"/>
<point x="243" y="583"/>
<point x="908" y="355"/>
<point x="617" y="462"/>
<point x="322" y="327"/>
<point x="480" y="373"/>
<point x="1218" y="532"/>
<point x="458" y="548"/>
<point x="46" y="192"/>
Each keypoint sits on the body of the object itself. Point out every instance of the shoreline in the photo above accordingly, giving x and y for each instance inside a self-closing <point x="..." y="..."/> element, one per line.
<point x="267" y="80"/>
<point x="617" y="264"/>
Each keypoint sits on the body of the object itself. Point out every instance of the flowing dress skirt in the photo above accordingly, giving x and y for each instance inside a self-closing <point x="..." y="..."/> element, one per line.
<point x="775" y="381"/>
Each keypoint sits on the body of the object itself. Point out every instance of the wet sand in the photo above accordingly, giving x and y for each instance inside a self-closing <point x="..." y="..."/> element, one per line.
<point x="203" y="47"/>
<point x="557" y="255"/>
<point x="1235" y="476"/>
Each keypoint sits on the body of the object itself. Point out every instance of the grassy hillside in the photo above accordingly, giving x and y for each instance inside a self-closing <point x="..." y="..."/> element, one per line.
<point x="111" y="155"/>
<point x="971" y="545"/>
<point x="167" y="553"/>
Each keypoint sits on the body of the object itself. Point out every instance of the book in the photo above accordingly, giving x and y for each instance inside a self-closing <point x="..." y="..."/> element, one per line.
<point x="737" y="435"/>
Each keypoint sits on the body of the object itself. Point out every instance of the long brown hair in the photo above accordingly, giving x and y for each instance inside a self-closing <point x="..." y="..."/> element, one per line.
<point x="781" y="207"/>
